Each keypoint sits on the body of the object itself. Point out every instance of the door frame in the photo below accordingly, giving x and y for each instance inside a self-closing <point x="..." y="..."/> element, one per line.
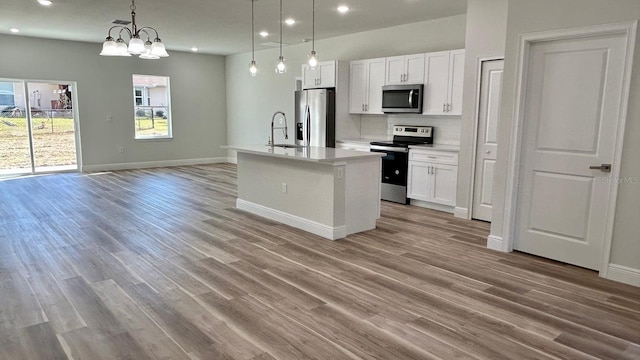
<point x="516" y="148"/>
<point x="476" y="126"/>
<point x="76" y="121"/>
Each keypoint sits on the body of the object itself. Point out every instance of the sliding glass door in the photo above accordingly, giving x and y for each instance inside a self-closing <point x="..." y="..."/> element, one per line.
<point x="38" y="127"/>
<point x="15" y="147"/>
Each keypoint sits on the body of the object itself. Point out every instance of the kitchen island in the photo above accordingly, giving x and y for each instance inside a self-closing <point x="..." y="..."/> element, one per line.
<point x="325" y="191"/>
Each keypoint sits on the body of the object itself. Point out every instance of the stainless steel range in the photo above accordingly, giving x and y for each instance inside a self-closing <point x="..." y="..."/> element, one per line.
<point x="396" y="161"/>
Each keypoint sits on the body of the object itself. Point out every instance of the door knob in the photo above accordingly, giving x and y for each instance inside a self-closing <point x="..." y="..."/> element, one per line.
<point x="487" y="151"/>
<point x="603" y="167"/>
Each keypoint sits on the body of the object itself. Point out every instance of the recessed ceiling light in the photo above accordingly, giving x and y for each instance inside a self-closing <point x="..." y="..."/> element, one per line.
<point x="264" y="33"/>
<point x="14" y="30"/>
<point x="343" y="9"/>
<point x="290" y="21"/>
<point x="45" y="2"/>
<point x="194" y="49"/>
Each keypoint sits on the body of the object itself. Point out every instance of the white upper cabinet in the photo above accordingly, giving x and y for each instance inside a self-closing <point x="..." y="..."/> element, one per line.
<point x="443" y="78"/>
<point x="323" y="76"/>
<point x="365" y="90"/>
<point x="405" y="69"/>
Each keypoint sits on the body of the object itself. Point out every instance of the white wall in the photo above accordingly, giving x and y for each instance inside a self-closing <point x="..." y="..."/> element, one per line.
<point x="486" y="36"/>
<point x="252" y="101"/>
<point x="526" y="16"/>
<point x="104" y="89"/>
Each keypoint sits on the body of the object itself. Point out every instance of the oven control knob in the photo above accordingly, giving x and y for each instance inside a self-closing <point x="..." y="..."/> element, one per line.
<point x="397" y="172"/>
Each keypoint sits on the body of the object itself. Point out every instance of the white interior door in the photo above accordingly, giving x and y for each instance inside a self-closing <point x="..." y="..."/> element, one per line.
<point x="571" y="117"/>
<point x="487" y="145"/>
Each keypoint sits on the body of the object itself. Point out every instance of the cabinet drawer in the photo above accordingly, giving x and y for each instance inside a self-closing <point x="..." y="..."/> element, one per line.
<point x="434" y="156"/>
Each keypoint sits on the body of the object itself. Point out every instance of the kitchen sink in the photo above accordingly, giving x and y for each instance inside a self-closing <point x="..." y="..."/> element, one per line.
<point x="289" y="146"/>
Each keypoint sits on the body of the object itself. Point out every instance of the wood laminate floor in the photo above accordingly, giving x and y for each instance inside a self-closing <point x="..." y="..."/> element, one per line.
<point x="158" y="264"/>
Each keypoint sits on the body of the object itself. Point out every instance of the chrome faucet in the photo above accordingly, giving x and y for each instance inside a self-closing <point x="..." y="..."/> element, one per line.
<point x="286" y="130"/>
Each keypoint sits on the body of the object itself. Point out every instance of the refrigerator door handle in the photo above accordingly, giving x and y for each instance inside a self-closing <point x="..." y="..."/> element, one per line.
<point x="307" y="141"/>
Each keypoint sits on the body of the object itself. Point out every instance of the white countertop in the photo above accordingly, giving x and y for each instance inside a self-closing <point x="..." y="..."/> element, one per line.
<point x="360" y="141"/>
<point x="311" y="153"/>
<point x="439" y="147"/>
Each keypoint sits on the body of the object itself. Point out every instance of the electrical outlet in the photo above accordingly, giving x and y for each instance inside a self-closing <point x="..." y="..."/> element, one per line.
<point x="340" y="173"/>
<point x="284" y="188"/>
<point x="121" y="149"/>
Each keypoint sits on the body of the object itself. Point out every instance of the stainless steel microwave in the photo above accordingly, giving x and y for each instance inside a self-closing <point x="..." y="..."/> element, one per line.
<point x="402" y="99"/>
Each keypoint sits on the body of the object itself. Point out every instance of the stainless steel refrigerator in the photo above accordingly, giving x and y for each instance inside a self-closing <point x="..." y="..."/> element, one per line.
<point x="316" y="117"/>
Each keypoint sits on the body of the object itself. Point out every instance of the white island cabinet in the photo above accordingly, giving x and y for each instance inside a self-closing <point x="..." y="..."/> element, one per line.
<point x="325" y="191"/>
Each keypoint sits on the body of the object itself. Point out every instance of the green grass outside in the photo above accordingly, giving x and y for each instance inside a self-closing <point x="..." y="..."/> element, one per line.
<point x="53" y="142"/>
<point x="146" y="127"/>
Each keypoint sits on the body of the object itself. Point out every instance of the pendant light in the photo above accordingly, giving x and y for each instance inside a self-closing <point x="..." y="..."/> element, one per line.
<point x="281" y="68"/>
<point x="313" y="57"/>
<point x="252" y="66"/>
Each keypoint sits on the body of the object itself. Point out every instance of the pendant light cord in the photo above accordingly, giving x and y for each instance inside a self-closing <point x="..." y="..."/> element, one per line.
<point x="280" y="28"/>
<point x="313" y="25"/>
<point x="253" y="34"/>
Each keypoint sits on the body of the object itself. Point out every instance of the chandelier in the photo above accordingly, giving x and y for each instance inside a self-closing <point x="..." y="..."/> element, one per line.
<point x="145" y="49"/>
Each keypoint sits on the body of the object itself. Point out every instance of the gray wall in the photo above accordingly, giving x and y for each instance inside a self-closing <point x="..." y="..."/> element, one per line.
<point x="198" y="97"/>
<point x="486" y="35"/>
<point x="526" y="16"/>
<point x="252" y="101"/>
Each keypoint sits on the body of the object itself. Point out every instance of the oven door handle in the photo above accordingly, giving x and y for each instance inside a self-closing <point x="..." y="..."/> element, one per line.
<point x="389" y="149"/>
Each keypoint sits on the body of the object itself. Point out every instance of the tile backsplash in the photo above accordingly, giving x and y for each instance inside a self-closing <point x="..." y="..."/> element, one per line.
<point x="447" y="129"/>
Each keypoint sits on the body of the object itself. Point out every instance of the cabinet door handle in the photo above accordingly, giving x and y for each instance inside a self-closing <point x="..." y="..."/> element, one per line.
<point x="444" y="107"/>
<point x="449" y="107"/>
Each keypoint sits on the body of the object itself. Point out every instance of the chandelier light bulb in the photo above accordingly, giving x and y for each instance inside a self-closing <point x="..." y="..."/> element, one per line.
<point x="136" y="46"/>
<point x="147" y="52"/>
<point x="158" y="48"/>
<point x="109" y="48"/>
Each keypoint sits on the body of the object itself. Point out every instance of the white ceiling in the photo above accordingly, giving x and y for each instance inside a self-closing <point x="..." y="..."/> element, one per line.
<point x="216" y="26"/>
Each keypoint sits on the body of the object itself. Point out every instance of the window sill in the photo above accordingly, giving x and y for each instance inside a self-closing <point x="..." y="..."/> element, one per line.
<point x="155" y="138"/>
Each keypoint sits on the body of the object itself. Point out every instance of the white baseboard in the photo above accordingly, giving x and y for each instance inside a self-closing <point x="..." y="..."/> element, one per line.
<point x="624" y="274"/>
<point x="462" y="213"/>
<point x="495" y="243"/>
<point x="432" y="206"/>
<point x="328" y="232"/>
<point x="152" y="164"/>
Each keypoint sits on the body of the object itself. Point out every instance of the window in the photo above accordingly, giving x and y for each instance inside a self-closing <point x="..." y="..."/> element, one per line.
<point x="6" y="95"/>
<point x="152" y="107"/>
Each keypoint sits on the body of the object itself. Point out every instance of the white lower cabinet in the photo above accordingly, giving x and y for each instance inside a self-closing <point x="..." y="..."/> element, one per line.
<point x="433" y="176"/>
